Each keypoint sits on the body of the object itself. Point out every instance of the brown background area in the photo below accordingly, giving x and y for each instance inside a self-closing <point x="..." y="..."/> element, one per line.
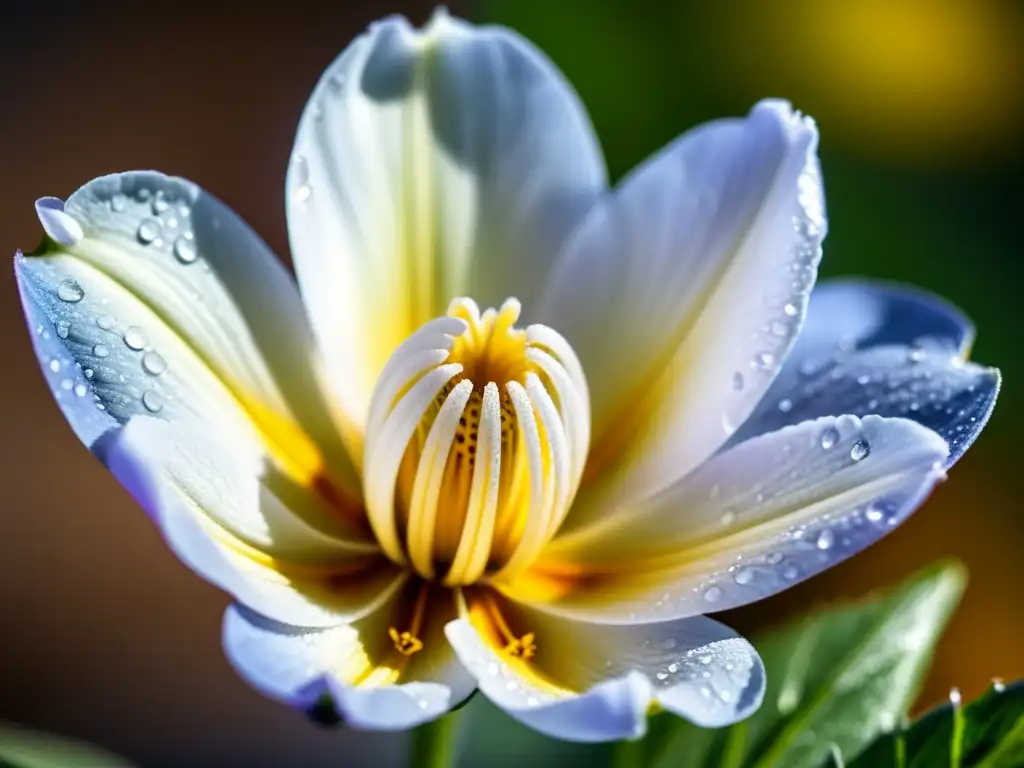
<point x="104" y="635"/>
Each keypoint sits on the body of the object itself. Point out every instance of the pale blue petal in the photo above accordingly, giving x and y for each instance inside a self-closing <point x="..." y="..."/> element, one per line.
<point x="875" y="349"/>
<point x="173" y="473"/>
<point x="682" y="293"/>
<point x="750" y="522"/>
<point x="163" y="302"/>
<point x="602" y="679"/>
<point x="453" y="160"/>
<point x="299" y="666"/>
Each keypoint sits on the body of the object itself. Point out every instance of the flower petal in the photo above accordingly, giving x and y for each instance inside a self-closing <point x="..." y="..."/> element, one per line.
<point x="750" y="522"/>
<point x="354" y="664"/>
<point x="235" y="529"/>
<point x="588" y="682"/>
<point x="883" y="350"/>
<point x="428" y="165"/>
<point x="684" y="291"/>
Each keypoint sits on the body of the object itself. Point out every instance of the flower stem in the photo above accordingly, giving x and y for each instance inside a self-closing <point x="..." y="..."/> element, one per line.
<point x="433" y="744"/>
<point x="628" y="753"/>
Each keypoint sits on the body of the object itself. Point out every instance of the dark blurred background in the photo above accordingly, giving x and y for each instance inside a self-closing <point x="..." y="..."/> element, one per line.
<point x="921" y="108"/>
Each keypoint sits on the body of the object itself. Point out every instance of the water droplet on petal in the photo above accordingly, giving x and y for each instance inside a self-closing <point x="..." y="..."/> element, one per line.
<point x="81" y="390"/>
<point x="101" y="350"/>
<point x="765" y="361"/>
<point x="860" y="450"/>
<point x="153" y="364"/>
<point x="791" y="309"/>
<point x="954" y="697"/>
<point x="785" y="405"/>
<point x="70" y="291"/>
<point x="160" y="203"/>
<point x="712" y="594"/>
<point x="118" y="203"/>
<point x="774" y="558"/>
<point x="874" y="514"/>
<point x="829" y="437"/>
<point x="153" y="401"/>
<point x="185" y="250"/>
<point x="790" y="573"/>
<point x="669" y="643"/>
<point x="55" y="365"/>
<point x="779" y="328"/>
<point x="106" y="322"/>
<point x="63" y="328"/>
<point x="134" y="338"/>
<point x="825" y="538"/>
<point x="728" y="517"/>
<point x="149" y="230"/>
<point x="744" y="576"/>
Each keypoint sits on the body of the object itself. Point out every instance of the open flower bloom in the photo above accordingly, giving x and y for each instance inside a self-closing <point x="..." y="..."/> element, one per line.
<point x="521" y="431"/>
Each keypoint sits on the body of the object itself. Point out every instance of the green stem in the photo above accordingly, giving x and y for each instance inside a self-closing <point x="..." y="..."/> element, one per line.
<point x="433" y="744"/>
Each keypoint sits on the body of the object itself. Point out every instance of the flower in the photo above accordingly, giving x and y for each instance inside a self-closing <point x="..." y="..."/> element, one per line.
<point x="424" y="486"/>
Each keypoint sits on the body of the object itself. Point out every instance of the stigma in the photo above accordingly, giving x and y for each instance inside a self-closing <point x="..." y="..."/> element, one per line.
<point x="475" y="443"/>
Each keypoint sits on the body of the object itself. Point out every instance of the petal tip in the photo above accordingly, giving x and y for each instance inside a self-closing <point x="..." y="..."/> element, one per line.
<point x="60" y="226"/>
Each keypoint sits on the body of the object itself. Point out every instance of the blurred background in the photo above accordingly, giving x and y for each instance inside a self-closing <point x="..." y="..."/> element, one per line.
<point x="105" y="637"/>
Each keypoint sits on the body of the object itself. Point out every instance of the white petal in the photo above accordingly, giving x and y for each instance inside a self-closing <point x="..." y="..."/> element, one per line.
<point x="684" y="291"/>
<point x="590" y="682"/>
<point x="233" y="529"/>
<point x="298" y="666"/>
<point x="168" y="303"/>
<point x="430" y="164"/>
<point x="750" y="522"/>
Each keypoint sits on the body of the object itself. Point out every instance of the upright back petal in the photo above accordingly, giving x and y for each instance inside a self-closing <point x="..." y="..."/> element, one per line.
<point x="430" y="164"/>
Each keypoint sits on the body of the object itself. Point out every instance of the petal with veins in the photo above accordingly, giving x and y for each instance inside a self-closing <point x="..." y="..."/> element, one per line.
<point x="236" y="530"/>
<point x="876" y="349"/>
<point x="430" y="164"/>
<point x="683" y="292"/>
<point x="750" y="522"/>
<point x="169" y="304"/>
<point x="587" y="682"/>
<point x="371" y="685"/>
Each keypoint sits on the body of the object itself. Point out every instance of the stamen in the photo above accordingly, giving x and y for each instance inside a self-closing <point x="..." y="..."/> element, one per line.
<point x="519" y="647"/>
<point x="407" y="642"/>
<point x="475" y="444"/>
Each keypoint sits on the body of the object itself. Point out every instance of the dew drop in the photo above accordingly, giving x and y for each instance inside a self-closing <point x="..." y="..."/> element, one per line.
<point x="70" y="291"/>
<point x="737" y="381"/>
<point x="829" y="437"/>
<point x="63" y="328"/>
<point x="160" y="203"/>
<point x="106" y="322"/>
<point x="662" y="676"/>
<point x="779" y="328"/>
<point x="712" y="594"/>
<point x="81" y="390"/>
<point x="55" y="365"/>
<point x="149" y="230"/>
<point x="954" y="697"/>
<point x="744" y="576"/>
<point x="153" y="364"/>
<point x="791" y="309"/>
<point x="915" y="355"/>
<point x="774" y="558"/>
<point x="826" y="538"/>
<point x="185" y="250"/>
<point x="134" y="338"/>
<point x="118" y="203"/>
<point x="765" y="361"/>
<point x="89" y="373"/>
<point x="860" y="450"/>
<point x="66" y="384"/>
<point x="874" y="514"/>
<point x="673" y="668"/>
<point x="998" y="685"/>
<point x="785" y="405"/>
<point x="790" y="573"/>
<point x="101" y="350"/>
<point x="153" y="401"/>
<point x="728" y="517"/>
<point x="669" y="643"/>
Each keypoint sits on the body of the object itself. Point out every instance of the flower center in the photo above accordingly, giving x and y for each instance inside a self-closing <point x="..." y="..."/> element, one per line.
<point x="475" y="443"/>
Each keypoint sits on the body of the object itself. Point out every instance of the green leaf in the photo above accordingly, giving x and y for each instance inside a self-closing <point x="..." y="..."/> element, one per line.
<point x="24" y="748"/>
<point x="987" y="733"/>
<point x="836" y="680"/>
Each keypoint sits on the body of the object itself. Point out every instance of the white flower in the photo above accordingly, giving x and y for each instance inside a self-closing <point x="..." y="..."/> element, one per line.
<point x="540" y="499"/>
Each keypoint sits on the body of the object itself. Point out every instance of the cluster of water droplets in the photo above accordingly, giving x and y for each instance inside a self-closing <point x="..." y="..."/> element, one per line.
<point x="786" y="307"/>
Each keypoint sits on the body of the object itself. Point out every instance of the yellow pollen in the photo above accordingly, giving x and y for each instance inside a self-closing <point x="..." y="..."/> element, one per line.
<point x="407" y="641"/>
<point x="475" y="443"/>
